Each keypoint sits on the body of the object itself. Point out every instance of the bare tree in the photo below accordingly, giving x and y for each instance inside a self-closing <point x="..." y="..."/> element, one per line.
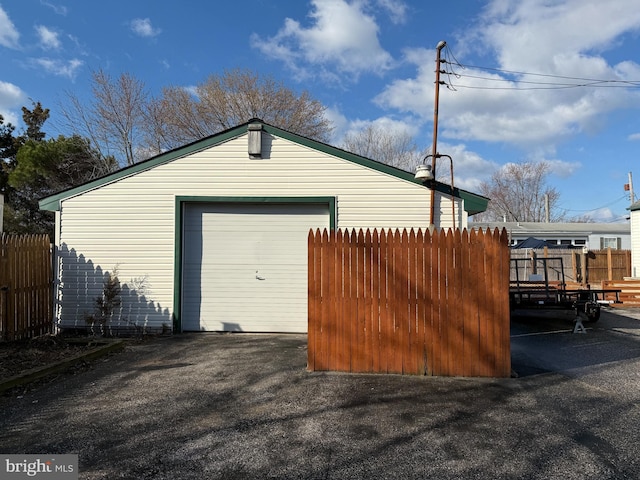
<point x="114" y="119"/>
<point x="224" y="101"/>
<point x="395" y="148"/>
<point x="518" y="192"/>
<point x="176" y="118"/>
<point x="124" y="121"/>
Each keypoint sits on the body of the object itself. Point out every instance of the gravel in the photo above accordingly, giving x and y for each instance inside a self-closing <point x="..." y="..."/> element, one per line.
<point x="220" y="406"/>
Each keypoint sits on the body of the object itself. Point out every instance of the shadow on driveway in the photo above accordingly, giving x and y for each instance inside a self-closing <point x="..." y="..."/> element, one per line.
<point x="207" y="406"/>
<point x="546" y="343"/>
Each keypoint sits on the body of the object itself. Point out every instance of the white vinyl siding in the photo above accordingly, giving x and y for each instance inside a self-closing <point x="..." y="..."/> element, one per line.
<point x="129" y="224"/>
<point x="245" y="266"/>
<point x="635" y="243"/>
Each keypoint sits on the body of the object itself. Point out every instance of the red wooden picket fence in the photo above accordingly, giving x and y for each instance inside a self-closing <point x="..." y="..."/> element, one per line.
<point x="25" y="286"/>
<point x="409" y="302"/>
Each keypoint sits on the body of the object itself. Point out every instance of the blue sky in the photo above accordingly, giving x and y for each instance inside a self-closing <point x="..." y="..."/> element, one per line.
<point x="543" y="79"/>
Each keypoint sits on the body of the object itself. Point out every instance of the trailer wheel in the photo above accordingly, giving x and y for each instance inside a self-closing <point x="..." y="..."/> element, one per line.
<point x="593" y="312"/>
<point x="594" y="317"/>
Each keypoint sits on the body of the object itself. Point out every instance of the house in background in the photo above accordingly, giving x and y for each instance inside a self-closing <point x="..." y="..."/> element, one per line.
<point x="592" y="236"/>
<point x="212" y="236"/>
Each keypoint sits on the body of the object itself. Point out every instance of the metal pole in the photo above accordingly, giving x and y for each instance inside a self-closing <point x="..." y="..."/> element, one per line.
<point x="453" y="198"/>
<point x="434" y="147"/>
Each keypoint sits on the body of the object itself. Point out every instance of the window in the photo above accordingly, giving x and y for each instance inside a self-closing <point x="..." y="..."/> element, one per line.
<point x="581" y="243"/>
<point x="610" y="242"/>
<point x="565" y="242"/>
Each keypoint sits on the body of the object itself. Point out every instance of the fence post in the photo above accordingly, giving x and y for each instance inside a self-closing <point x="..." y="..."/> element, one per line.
<point x="534" y="263"/>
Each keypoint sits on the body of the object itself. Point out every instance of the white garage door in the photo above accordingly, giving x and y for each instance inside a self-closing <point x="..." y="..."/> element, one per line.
<point x="245" y="266"/>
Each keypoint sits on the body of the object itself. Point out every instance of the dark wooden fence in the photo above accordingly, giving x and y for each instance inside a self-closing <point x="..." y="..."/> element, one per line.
<point x="607" y="265"/>
<point x="25" y="286"/>
<point x="584" y="268"/>
<point x="409" y="302"/>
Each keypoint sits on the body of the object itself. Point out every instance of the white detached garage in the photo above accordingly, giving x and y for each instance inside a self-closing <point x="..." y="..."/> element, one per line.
<point x="213" y="236"/>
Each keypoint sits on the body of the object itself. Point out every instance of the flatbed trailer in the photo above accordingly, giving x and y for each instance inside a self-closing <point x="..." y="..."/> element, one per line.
<point x="539" y="284"/>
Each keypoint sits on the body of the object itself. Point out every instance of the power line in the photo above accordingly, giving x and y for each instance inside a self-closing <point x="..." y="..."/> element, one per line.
<point x="551" y="87"/>
<point x="574" y="82"/>
<point x="612" y="202"/>
<point x="514" y="72"/>
<point x="594" y="83"/>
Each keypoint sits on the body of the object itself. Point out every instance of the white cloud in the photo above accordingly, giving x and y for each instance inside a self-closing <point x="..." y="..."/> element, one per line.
<point x="341" y="37"/>
<point x="59" y="9"/>
<point x="339" y="122"/>
<point x="397" y="10"/>
<point x="143" y="28"/>
<point x="48" y="38"/>
<point x="11" y="98"/>
<point x="59" y="68"/>
<point x="563" y="168"/>
<point x="79" y="48"/>
<point x="530" y="34"/>
<point x="412" y="94"/>
<point x="634" y="137"/>
<point x="469" y="168"/>
<point x="603" y="215"/>
<point x="8" y="34"/>
<point x="526" y="110"/>
<point x="387" y="124"/>
<point x="192" y="90"/>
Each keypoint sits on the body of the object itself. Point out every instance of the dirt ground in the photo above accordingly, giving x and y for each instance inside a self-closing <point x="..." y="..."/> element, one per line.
<point x="24" y="355"/>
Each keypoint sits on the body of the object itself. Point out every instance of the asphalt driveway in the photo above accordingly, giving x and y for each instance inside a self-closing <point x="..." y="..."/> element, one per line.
<point x="206" y="406"/>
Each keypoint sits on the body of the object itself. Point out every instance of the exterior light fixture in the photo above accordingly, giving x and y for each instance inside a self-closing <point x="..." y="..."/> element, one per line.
<point x="255" y="139"/>
<point x="424" y="173"/>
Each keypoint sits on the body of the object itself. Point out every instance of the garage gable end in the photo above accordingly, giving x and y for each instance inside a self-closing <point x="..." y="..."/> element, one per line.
<point x="473" y="203"/>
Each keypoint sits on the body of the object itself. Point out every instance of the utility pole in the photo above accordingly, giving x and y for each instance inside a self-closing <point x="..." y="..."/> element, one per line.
<point x="547" y="214"/>
<point x="434" y="146"/>
<point x="632" y="198"/>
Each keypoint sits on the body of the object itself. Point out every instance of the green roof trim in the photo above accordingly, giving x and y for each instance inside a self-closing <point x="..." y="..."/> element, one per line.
<point x="52" y="202"/>
<point x="473" y="203"/>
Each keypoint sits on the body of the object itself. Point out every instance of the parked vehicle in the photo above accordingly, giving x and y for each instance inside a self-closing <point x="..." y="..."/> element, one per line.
<point x="539" y="284"/>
